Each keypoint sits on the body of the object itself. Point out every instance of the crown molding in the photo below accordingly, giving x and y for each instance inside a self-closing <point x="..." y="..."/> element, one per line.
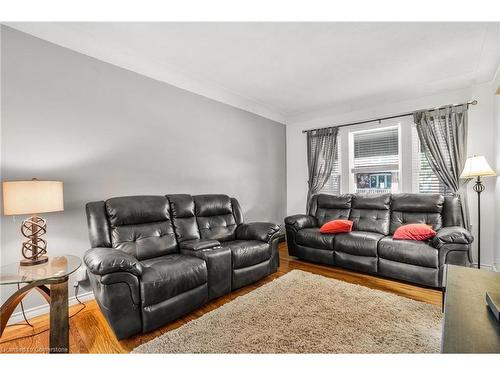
<point x="151" y="69"/>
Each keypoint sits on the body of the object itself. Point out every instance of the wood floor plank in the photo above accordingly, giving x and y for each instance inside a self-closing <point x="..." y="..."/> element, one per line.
<point x="90" y="333"/>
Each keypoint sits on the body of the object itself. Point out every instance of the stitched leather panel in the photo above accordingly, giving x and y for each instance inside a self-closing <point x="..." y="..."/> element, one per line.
<point x="313" y="254"/>
<point x="452" y="212"/>
<point x="166" y="311"/>
<point x="356" y="262"/>
<point x="332" y="207"/>
<point x="144" y="241"/>
<point x="97" y="222"/>
<point x="409" y="272"/>
<point x="417" y="202"/>
<point x="313" y="238"/>
<point x="183" y="218"/>
<point x="419" y="253"/>
<point x="220" y="227"/>
<point x="199" y="244"/>
<point x="248" y="253"/>
<point x="212" y="204"/>
<point x="371" y="201"/>
<point x="165" y="277"/>
<point x="370" y="220"/>
<point x="357" y="243"/>
<point x="138" y="209"/>
<point x="399" y="218"/>
<point x="215" y="217"/>
<point x="248" y="275"/>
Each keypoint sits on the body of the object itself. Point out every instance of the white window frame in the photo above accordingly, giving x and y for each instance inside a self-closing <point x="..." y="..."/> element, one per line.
<point x="369" y="127"/>
<point x="405" y="144"/>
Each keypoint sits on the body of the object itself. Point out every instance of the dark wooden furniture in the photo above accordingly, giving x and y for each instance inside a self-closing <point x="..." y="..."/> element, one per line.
<point x="469" y="326"/>
<point x="51" y="281"/>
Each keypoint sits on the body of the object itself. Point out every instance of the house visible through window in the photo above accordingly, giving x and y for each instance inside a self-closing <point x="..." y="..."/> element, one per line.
<point x="424" y="179"/>
<point x="375" y="160"/>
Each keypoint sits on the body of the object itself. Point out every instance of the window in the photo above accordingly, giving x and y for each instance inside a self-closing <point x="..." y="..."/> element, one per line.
<point x="375" y="160"/>
<point x="423" y="178"/>
<point x="332" y="185"/>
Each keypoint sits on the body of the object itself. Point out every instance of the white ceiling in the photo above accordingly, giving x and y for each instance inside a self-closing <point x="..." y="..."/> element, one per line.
<point x="282" y="70"/>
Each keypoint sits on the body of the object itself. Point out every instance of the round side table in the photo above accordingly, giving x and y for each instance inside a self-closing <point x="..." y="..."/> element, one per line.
<point x="51" y="280"/>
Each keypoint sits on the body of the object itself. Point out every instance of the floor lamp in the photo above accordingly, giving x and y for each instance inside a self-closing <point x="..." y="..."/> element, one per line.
<point x="477" y="167"/>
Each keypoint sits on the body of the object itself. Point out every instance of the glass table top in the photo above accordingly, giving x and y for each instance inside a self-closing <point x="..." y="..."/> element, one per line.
<point x="56" y="267"/>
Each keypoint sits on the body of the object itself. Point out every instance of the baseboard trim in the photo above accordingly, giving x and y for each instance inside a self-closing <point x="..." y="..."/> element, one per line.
<point x="489" y="267"/>
<point x="45" y="309"/>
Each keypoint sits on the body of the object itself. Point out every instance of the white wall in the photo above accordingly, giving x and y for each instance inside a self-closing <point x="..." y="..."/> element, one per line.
<point x="496" y="85"/>
<point x="106" y="132"/>
<point x="481" y="141"/>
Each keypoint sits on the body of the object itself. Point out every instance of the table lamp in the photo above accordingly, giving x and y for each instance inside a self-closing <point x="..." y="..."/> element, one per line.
<point x="32" y="198"/>
<point x="477" y="167"/>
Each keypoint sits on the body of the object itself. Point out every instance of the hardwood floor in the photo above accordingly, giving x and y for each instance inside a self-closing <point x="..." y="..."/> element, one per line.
<point x="90" y="333"/>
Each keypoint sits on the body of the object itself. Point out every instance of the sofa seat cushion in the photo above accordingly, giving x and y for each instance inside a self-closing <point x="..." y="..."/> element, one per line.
<point x="311" y="237"/>
<point x="418" y="253"/>
<point x="170" y="275"/>
<point x="248" y="253"/>
<point x="358" y="243"/>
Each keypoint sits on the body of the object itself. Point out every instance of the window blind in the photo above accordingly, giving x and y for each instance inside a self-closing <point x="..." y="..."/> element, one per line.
<point x="424" y="179"/>
<point x="332" y="185"/>
<point x="376" y="150"/>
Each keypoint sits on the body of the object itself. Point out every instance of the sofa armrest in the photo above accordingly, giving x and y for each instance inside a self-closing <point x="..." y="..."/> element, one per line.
<point x="200" y="244"/>
<point x="105" y="260"/>
<point x="451" y="235"/>
<point x="298" y="222"/>
<point x="257" y="231"/>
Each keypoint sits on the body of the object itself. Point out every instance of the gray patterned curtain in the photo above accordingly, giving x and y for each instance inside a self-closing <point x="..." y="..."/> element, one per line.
<point x="443" y="136"/>
<point x="321" y="147"/>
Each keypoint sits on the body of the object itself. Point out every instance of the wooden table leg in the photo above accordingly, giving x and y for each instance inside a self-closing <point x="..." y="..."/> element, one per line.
<point x="9" y="306"/>
<point x="59" y="318"/>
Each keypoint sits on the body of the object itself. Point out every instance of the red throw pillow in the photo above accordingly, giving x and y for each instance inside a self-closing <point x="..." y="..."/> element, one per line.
<point x="415" y="232"/>
<point x="336" y="226"/>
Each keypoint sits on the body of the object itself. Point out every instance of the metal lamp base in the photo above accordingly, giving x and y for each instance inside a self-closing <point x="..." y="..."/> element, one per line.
<point x="35" y="247"/>
<point x="34" y="262"/>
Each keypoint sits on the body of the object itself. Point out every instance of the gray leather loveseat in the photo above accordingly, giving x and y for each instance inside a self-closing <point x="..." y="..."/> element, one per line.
<point x="156" y="258"/>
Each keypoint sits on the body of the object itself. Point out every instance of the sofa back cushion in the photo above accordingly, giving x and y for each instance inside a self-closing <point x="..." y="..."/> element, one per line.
<point x="141" y="226"/>
<point x="215" y="218"/>
<point x="330" y="207"/>
<point x="370" y="213"/>
<point x="416" y="208"/>
<point x="183" y="217"/>
<point x="452" y="212"/>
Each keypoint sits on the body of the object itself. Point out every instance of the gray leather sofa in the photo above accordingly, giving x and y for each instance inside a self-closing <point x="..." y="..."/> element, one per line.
<point x="156" y="258"/>
<point x="370" y="247"/>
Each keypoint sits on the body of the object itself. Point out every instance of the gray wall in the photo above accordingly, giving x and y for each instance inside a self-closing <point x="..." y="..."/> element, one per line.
<point x="106" y="132"/>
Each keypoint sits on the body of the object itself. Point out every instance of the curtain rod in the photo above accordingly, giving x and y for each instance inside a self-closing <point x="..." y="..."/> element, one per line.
<point x="473" y="102"/>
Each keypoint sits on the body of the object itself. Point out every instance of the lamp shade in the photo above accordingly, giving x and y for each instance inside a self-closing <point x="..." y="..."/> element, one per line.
<point x="477" y="166"/>
<point x="32" y="197"/>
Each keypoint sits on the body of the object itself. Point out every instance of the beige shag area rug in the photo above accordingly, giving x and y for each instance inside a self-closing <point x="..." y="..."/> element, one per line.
<point x="305" y="313"/>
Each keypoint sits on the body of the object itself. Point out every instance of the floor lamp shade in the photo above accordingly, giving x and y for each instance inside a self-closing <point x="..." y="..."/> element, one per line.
<point x="32" y="198"/>
<point x="477" y="166"/>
